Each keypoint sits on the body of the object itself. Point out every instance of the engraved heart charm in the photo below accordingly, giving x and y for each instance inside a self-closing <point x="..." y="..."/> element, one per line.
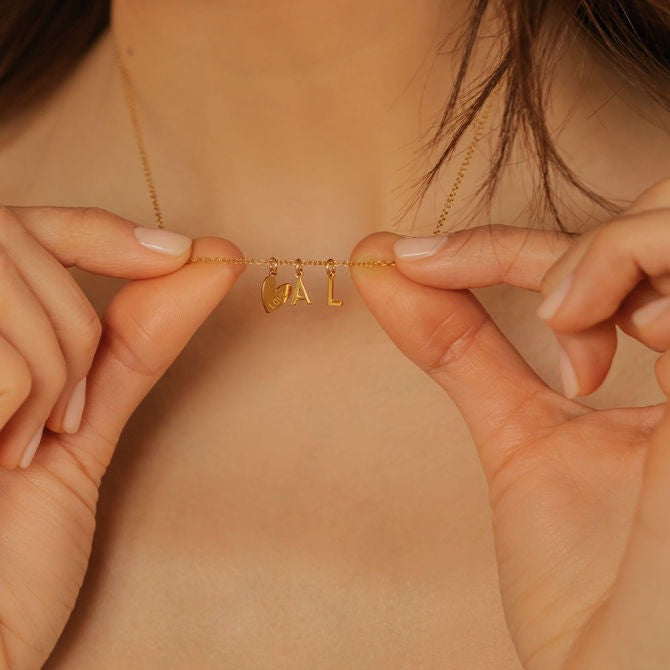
<point x="274" y="296"/>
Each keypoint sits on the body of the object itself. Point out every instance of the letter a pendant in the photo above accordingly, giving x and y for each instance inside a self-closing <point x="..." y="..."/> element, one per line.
<point x="299" y="290"/>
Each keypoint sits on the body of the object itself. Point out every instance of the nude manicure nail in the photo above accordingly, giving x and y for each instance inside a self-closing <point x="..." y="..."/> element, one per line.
<point x="163" y="241"/>
<point x="553" y="301"/>
<point x="31" y="448"/>
<point x="568" y="374"/>
<point x="75" y="408"/>
<point x="411" y="248"/>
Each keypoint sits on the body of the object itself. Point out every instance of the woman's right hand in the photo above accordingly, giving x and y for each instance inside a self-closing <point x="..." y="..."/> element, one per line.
<point x="61" y="367"/>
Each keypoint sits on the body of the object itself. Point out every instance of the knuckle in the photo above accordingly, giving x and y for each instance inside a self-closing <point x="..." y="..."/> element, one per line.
<point x="610" y="241"/>
<point x="87" y="330"/>
<point x="16" y="383"/>
<point x="487" y="237"/>
<point x="92" y="213"/>
<point x="603" y="239"/>
<point x="91" y="328"/>
<point x="132" y="343"/>
<point x="54" y="376"/>
<point x="87" y="217"/>
<point x="92" y="217"/>
<point x="450" y="348"/>
<point x="22" y="385"/>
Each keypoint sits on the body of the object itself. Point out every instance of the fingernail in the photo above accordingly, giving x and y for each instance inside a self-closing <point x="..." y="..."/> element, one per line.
<point x="410" y="248"/>
<point x="553" y="301"/>
<point x="568" y="374"/>
<point x="31" y="448"/>
<point x="650" y="311"/>
<point x="75" y="408"/>
<point x="163" y="241"/>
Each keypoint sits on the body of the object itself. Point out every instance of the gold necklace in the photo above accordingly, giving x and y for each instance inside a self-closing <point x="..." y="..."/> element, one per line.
<point x="273" y="296"/>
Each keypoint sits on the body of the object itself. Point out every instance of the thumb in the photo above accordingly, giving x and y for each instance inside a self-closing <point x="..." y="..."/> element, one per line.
<point x="146" y="326"/>
<point x="449" y="335"/>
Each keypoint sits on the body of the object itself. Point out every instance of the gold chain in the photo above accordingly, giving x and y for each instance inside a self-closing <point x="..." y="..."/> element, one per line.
<point x="469" y="152"/>
<point x="376" y="263"/>
<point x="148" y="177"/>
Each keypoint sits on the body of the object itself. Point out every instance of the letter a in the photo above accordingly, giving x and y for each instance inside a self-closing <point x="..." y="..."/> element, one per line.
<point x="300" y="293"/>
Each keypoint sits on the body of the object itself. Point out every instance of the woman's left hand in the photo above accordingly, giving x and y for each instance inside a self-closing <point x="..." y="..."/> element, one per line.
<point x="580" y="498"/>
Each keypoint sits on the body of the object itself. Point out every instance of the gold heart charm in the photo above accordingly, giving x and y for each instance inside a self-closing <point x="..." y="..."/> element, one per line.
<point x="274" y="296"/>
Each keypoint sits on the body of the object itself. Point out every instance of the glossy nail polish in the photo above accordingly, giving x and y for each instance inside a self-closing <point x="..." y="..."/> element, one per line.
<point x="75" y="408"/>
<point x="31" y="448"/>
<point x="553" y="301"/>
<point x="162" y="241"/>
<point x="413" y="248"/>
<point x="568" y="374"/>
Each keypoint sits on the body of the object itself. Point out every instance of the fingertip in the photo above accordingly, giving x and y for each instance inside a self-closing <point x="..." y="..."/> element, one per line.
<point x="218" y="252"/>
<point x="165" y="242"/>
<point x="379" y="242"/>
<point x="585" y="358"/>
<point x="375" y="246"/>
<point x="418" y="248"/>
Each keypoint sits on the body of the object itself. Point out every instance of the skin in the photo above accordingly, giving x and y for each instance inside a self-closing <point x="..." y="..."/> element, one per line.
<point x="583" y="572"/>
<point x="373" y="550"/>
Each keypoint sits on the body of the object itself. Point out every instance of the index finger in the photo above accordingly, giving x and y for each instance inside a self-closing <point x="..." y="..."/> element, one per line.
<point x="619" y="257"/>
<point x="520" y="257"/>
<point x="482" y="256"/>
<point x="98" y="241"/>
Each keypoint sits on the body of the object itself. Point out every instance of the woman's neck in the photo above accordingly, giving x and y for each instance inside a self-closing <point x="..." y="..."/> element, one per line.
<point x="328" y="96"/>
<point x="295" y="63"/>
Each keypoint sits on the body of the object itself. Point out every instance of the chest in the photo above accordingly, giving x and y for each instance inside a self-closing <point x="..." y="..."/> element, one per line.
<point x="293" y="488"/>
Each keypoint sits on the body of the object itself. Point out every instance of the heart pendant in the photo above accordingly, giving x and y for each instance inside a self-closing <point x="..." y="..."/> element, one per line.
<point x="274" y="296"/>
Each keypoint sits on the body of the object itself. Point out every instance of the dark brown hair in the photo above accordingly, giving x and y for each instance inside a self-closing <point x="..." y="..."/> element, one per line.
<point x="632" y="35"/>
<point x="40" y="41"/>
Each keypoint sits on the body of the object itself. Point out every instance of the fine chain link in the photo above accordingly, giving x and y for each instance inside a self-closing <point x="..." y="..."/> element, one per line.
<point x="375" y="263"/>
<point x="465" y="164"/>
<point x="139" y="140"/>
<point x="153" y="195"/>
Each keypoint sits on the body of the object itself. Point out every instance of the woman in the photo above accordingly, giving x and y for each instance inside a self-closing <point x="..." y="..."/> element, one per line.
<point x="294" y="492"/>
